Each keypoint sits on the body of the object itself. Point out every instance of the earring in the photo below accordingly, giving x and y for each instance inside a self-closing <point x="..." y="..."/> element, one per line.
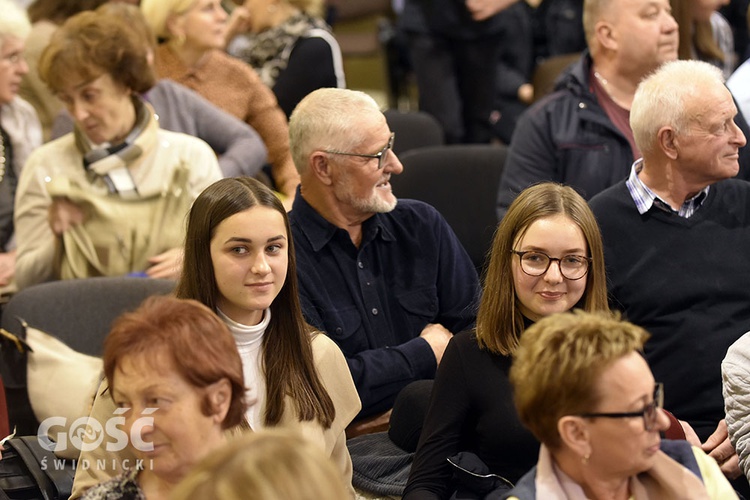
<point x="585" y="459"/>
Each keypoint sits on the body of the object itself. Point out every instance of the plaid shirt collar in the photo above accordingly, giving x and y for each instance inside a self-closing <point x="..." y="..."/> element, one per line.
<point x="644" y="198"/>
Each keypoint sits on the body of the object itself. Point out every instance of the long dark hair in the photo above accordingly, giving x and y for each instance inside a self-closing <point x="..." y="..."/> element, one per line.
<point x="287" y="350"/>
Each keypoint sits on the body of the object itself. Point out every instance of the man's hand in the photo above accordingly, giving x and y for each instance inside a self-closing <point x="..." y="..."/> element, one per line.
<point x="64" y="214"/>
<point x="690" y="435"/>
<point x="167" y="265"/>
<point x="438" y="337"/>
<point x="720" y="448"/>
<point x="484" y="9"/>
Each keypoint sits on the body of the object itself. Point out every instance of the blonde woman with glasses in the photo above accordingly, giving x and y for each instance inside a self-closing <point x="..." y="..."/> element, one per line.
<point x="585" y="391"/>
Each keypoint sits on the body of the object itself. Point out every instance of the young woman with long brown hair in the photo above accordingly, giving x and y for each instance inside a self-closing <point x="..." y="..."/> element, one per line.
<point x="240" y="262"/>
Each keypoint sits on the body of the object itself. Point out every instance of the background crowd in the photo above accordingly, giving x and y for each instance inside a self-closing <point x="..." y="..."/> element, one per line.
<point x="322" y="324"/>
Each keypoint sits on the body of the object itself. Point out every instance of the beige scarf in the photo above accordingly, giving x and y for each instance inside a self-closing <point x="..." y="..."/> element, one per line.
<point x="666" y="480"/>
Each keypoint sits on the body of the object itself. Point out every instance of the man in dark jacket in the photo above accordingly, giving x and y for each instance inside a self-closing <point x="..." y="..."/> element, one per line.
<point x="386" y="279"/>
<point x="580" y="134"/>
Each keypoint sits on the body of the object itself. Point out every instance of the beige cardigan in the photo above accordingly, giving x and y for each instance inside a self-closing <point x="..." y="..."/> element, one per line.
<point x="336" y="377"/>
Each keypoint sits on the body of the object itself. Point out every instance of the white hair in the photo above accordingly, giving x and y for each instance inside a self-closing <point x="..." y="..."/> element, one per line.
<point x="328" y="118"/>
<point x="13" y="22"/>
<point x="661" y="99"/>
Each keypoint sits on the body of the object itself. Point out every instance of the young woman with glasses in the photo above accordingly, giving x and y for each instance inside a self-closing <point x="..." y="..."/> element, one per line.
<point x="546" y="258"/>
<point x="583" y="388"/>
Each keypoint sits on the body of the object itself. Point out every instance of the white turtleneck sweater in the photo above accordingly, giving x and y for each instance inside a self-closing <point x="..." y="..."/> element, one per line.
<point x="249" y="340"/>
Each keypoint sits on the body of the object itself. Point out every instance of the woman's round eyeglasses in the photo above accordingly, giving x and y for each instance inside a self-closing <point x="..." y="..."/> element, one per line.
<point x="572" y="267"/>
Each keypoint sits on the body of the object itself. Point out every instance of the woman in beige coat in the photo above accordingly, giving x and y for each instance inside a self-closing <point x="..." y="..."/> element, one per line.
<point x="109" y="198"/>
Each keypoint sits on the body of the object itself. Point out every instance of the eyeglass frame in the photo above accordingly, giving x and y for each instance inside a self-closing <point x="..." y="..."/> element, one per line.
<point x="380" y="155"/>
<point x="653" y="407"/>
<point x="549" y="263"/>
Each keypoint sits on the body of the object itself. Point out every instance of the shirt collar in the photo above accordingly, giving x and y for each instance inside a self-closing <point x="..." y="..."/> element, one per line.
<point x="645" y="198"/>
<point x="319" y="231"/>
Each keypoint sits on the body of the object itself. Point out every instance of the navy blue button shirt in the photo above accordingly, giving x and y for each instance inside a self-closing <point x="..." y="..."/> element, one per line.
<point x="373" y="301"/>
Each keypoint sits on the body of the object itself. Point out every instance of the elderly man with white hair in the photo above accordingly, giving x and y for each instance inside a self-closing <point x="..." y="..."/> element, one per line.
<point x="386" y="279"/>
<point x="676" y="235"/>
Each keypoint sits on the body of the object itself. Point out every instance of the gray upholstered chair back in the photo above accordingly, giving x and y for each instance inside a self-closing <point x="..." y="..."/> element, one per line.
<point x="78" y="312"/>
<point x="414" y="129"/>
<point x="461" y="182"/>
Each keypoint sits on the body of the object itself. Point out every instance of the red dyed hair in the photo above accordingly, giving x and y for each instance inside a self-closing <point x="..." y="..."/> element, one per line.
<point x="198" y="343"/>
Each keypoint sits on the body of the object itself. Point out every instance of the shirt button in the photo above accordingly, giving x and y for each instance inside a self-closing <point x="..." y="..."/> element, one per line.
<point x="360" y="265"/>
<point x="374" y="311"/>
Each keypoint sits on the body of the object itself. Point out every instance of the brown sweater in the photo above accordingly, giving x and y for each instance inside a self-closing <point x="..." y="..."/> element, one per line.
<point x="234" y="86"/>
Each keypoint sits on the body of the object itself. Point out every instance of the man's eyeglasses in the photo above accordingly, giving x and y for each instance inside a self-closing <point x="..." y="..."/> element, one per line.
<point x="649" y="413"/>
<point x="572" y="267"/>
<point x="380" y="155"/>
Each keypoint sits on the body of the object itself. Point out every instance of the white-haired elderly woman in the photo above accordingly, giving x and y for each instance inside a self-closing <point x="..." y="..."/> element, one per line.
<point x="20" y="131"/>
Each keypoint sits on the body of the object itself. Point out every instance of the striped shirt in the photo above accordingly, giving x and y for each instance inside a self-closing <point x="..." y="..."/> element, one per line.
<point x="644" y="198"/>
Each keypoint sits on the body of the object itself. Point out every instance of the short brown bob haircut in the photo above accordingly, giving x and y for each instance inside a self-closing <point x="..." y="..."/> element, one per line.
<point x="196" y="341"/>
<point x="558" y="363"/>
<point x="89" y="45"/>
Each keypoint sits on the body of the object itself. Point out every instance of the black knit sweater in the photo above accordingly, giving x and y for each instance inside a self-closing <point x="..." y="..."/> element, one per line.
<point x="686" y="281"/>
